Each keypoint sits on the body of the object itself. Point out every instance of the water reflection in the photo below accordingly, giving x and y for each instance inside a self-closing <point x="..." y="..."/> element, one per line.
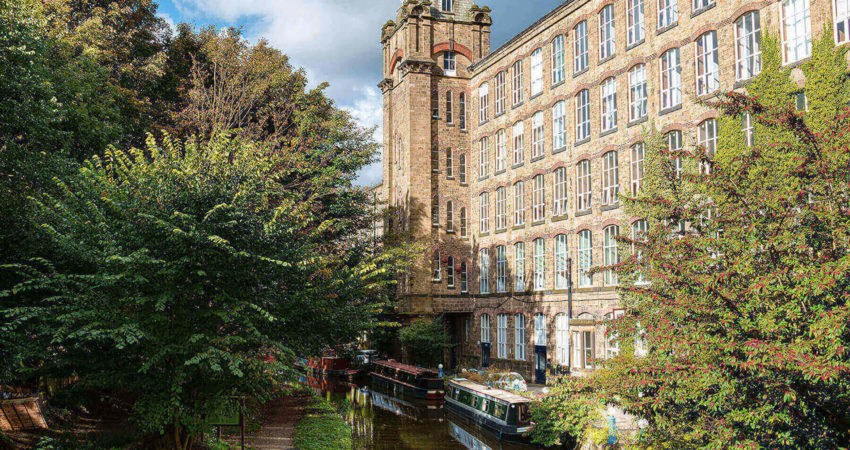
<point x="381" y="419"/>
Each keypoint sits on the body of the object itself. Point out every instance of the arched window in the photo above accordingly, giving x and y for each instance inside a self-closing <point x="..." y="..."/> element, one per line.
<point x="450" y="109"/>
<point x="559" y="125"/>
<point x="437" y="266"/>
<point x="537" y="72"/>
<point x="638" y="151"/>
<point x="540" y="329"/>
<point x="559" y="203"/>
<point x="583" y="186"/>
<point x="519" y="337"/>
<point x="483" y="103"/>
<point x="501" y="269"/>
<point x="501" y="93"/>
<point x="585" y="258"/>
<point x="609" y="249"/>
<point x="485" y="328"/>
<point x="634" y="25"/>
<point x="561" y="274"/>
<point x="462" y="110"/>
<point x="435" y="211"/>
<point x="558" y="59"/>
<point x="608" y="94"/>
<point x="501" y="150"/>
<point x="639" y="230"/>
<point x="450" y="271"/>
<point x="463" y="222"/>
<point x="707" y="63"/>
<point x="562" y="339"/>
<point x="610" y="179"/>
<point x="539" y="264"/>
<point x="583" y="115"/>
<point x="464" y="278"/>
<point x="637" y="92"/>
<point x="519" y="142"/>
<point x="450" y="216"/>
<point x="671" y="79"/>
<point x="502" y="336"/>
<point x="580" y="47"/>
<point x="484" y="271"/>
<point x="519" y="267"/>
<point x="461" y="169"/>
<point x="748" y="44"/>
<point x="607" y="33"/>
<point x="450" y="164"/>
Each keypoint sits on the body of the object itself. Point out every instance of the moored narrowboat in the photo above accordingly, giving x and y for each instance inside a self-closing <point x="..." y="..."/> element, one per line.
<point x="329" y="366"/>
<point x="405" y="379"/>
<point x="497" y="410"/>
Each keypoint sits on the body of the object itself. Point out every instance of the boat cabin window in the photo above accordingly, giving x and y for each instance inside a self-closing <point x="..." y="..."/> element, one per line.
<point x="523" y="414"/>
<point x="484" y="404"/>
<point x="500" y="411"/>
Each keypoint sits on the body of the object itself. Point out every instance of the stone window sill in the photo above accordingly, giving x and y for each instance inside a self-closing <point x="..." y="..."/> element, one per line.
<point x="636" y="44"/>
<point x="610" y="207"/>
<point x="667" y="28"/>
<point x="669" y="110"/>
<point x="637" y="122"/>
<point x="609" y="132"/>
<point x="582" y="142"/>
<point x="704" y="9"/>
<point x="584" y="213"/>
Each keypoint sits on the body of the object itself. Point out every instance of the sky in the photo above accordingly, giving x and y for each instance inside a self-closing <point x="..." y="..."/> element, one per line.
<point x="337" y="41"/>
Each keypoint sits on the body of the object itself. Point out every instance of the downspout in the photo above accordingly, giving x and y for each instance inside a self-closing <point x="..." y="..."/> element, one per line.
<point x="569" y="313"/>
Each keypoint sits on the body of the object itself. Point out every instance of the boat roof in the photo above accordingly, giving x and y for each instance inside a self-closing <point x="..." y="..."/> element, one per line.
<point x="406" y="368"/>
<point x="500" y="394"/>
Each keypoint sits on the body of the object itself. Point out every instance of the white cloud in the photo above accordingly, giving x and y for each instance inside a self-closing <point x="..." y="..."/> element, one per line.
<point x="368" y="110"/>
<point x="168" y="21"/>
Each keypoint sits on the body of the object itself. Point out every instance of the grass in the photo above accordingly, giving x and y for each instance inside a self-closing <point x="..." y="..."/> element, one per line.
<point x="322" y="428"/>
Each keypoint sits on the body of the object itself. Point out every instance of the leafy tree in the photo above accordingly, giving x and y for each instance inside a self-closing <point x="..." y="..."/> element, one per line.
<point x="424" y="341"/>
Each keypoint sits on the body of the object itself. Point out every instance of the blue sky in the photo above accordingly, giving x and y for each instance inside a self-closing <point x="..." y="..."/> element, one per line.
<point x="337" y="40"/>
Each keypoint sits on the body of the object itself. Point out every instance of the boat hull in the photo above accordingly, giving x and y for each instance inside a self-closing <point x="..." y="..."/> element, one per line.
<point x="503" y="431"/>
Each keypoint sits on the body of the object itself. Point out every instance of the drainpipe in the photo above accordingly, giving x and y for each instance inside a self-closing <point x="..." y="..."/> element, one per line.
<point x="569" y="312"/>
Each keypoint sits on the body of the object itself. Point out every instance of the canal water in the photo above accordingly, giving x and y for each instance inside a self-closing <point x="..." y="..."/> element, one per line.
<point x="384" y="420"/>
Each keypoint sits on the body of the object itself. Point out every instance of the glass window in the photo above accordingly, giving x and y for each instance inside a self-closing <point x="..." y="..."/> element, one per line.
<point x="581" y="52"/>
<point x="435" y="211"/>
<point x="539" y="329"/>
<point x="501" y="336"/>
<point x="501" y="150"/>
<point x="437" y="267"/>
<point x="463" y="223"/>
<point x="501" y="209"/>
<point x="748" y="46"/>
<point x="501" y="269"/>
<point x="519" y="203"/>
<point x="461" y="169"/>
<point x="448" y="5"/>
<point x="637" y="92"/>
<point x="537" y="135"/>
<point x="671" y="79"/>
<point x="450" y="110"/>
<point x="539" y="264"/>
<point x="519" y="267"/>
<point x="484" y="157"/>
<point x="450" y="64"/>
<point x="749" y="131"/>
<point x="702" y="4"/>
<point x="462" y="111"/>
<point x="562" y="340"/>
<point x="610" y="178"/>
<point x="464" y="278"/>
<point x="796" y="31"/>
<point x="639" y="230"/>
<point x="583" y="115"/>
<point x="559" y="203"/>
<point x="635" y="22"/>
<point x="559" y="125"/>
<point x="483" y="103"/>
<point x="707" y="135"/>
<point x="450" y="164"/>
<point x="585" y="258"/>
<point x="668" y="13"/>
<point x="484" y="277"/>
<point x="501" y="87"/>
<point x="842" y="21"/>
<point x="450" y="271"/>
<point x="558" y="59"/>
<point x="516" y="82"/>
<point x="519" y="142"/>
<point x="674" y="144"/>
<point x="707" y="63"/>
<point x="609" y="104"/>
<point x="485" y="328"/>
<point x="561" y="275"/>
<point x="638" y="152"/>
<point x="610" y="253"/>
<point x="484" y="208"/>
<point x="583" y="186"/>
<point x="537" y="72"/>
<point x="519" y="336"/>
<point x="539" y="199"/>
<point x="450" y="216"/>
<point x="607" y="34"/>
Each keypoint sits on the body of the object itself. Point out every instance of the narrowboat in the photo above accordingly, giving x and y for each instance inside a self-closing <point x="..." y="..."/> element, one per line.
<point x="404" y="379"/>
<point x="497" y="410"/>
<point x="329" y="366"/>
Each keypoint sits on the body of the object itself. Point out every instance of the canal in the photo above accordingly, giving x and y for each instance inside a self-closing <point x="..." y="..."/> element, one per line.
<point x="384" y="420"/>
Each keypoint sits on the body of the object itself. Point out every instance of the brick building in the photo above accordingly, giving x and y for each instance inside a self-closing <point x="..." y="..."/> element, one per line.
<point x="507" y="164"/>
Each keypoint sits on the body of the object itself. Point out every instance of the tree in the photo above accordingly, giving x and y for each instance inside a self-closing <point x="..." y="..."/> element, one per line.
<point x="424" y="341"/>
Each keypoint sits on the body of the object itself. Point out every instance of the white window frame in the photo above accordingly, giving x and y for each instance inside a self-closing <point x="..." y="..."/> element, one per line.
<point x="700" y="5"/>
<point x="516" y="82"/>
<point x="610" y="253"/>
<point x="635" y="22"/>
<point x="450" y="271"/>
<point x="748" y="129"/>
<point x="448" y="5"/>
<point x="668" y="13"/>
<point x="639" y="229"/>
<point x="450" y="64"/>
<point x="796" y="31"/>
<point x="462" y="110"/>
<point x="501" y="150"/>
<point x="501" y="93"/>
<point x="585" y="258"/>
<point x="484" y="321"/>
<point x="484" y="157"/>
<point x="562" y="339"/>
<point x="538" y="139"/>
<point x="707" y="135"/>
<point x="558" y="70"/>
<point x="583" y="186"/>
<point x="519" y="203"/>
<point x="671" y="79"/>
<point x="539" y="264"/>
<point x="461" y="169"/>
<point x="581" y="48"/>
<point x="450" y="163"/>
<point x="561" y="258"/>
<point x="464" y="278"/>
<point x="607" y="33"/>
<point x="437" y="267"/>
<point x="707" y="63"/>
<point x="519" y="337"/>
<point x="610" y="178"/>
<point x="537" y="72"/>
<point x="841" y="21"/>
<point x="501" y="209"/>
<point x="559" y="125"/>
<point x="638" y="93"/>
<point x="463" y="223"/>
<point x="748" y="46"/>
<point x="540" y="334"/>
<point x="583" y="115"/>
<point x="484" y="271"/>
<point x="501" y="269"/>
<point x="638" y="155"/>
<point x="519" y="267"/>
<point x="502" y="336"/>
<point x="608" y="95"/>
<point x="484" y="209"/>
<point x="538" y="205"/>
<point x="483" y="103"/>
<point x="450" y="217"/>
<point x="518" y="133"/>
<point x="559" y="197"/>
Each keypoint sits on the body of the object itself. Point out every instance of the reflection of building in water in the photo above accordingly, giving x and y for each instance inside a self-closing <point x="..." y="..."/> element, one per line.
<point x="469" y="441"/>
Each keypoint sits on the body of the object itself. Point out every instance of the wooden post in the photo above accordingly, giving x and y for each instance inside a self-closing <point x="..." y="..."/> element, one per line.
<point x="242" y="422"/>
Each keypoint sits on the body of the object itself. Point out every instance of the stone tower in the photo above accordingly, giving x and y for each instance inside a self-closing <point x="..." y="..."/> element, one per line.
<point x="427" y="51"/>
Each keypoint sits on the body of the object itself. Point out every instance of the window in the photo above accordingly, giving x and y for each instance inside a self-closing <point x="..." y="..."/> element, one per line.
<point x="668" y="13"/>
<point x="450" y="164"/>
<point x="437" y="266"/>
<point x="435" y="104"/>
<point x="797" y="33"/>
<point x="702" y="4"/>
<point x="435" y="159"/>
<point x="537" y="138"/>
<point x="485" y="328"/>
<point x="519" y="203"/>
<point x="483" y="103"/>
<point x="501" y="86"/>
<point x="461" y="169"/>
<point x="707" y="63"/>
<point x="610" y="179"/>
<point x="450" y="217"/>
<point x="585" y="258"/>
<point x="748" y="46"/>
<point x="462" y="111"/>
<point x="674" y="143"/>
<point x="607" y="33"/>
<point x="501" y="269"/>
<point x="707" y="135"/>
<point x="539" y="329"/>
<point x="583" y="349"/>
<point x="501" y="209"/>
<point x="539" y="264"/>
<point x="537" y="72"/>
<point x="501" y="150"/>
<point x="581" y="52"/>
<point x="464" y="278"/>
<point x="484" y="277"/>
<point x="450" y="64"/>
<point x="559" y="199"/>
<point x="502" y="336"/>
<point x="639" y="230"/>
<point x="558" y="59"/>
<point x="450" y="271"/>
<point x="484" y="208"/>
<point x="559" y="125"/>
<point x="610" y="253"/>
<point x="448" y="5"/>
<point x="519" y="336"/>
<point x="842" y="21"/>
<point x="637" y="92"/>
<point x="635" y="22"/>
<point x="463" y="222"/>
<point x="538" y="206"/>
<point x="435" y="211"/>
<point x="562" y="342"/>
<point x="612" y="343"/>
<point x="671" y="79"/>
<point x="583" y="186"/>
<point x="561" y="266"/>
<point x="749" y="131"/>
<point x="583" y="115"/>
<point x="519" y="143"/>
<point x="609" y="104"/>
<point x="484" y="157"/>
<point x="519" y="269"/>
<point x="638" y="153"/>
<point x="450" y="110"/>
<point x="516" y="82"/>
<point x="801" y="103"/>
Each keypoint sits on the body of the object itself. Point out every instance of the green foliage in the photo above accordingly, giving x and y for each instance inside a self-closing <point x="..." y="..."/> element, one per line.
<point x="322" y="428"/>
<point x="565" y="416"/>
<point x="425" y="340"/>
